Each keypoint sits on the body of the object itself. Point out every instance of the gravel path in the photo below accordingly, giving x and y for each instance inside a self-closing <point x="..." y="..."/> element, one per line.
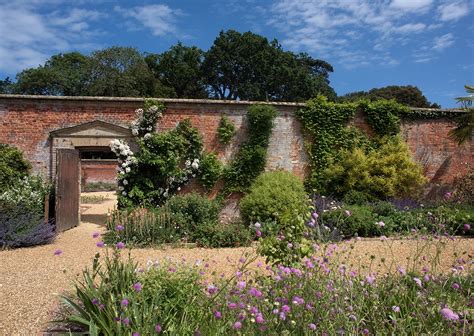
<point x="31" y="278"/>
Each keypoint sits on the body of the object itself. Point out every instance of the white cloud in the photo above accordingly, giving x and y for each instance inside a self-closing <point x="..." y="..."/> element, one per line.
<point x="159" y="19"/>
<point x="29" y="36"/>
<point x="371" y="30"/>
<point x="452" y="11"/>
<point x="410" y="28"/>
<point x="411" y="4"/>
<point x="442" y="42"/>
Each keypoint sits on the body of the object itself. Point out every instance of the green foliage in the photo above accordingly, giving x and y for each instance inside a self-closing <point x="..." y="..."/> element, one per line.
<point x="30" y="191"/>
<point x="325" y="123"/>
<point x="271" y="196"/>
<point x="382" y="115"/>
<point x="465" y="122"/>
<point x="285" y="242"/>
<point x="164" y="163"/>
<point x="214" y="235"/>
<point x="226" y="130"/>
<point x="407" y="95"/>
<point x="249" y="67"/>
<point x="388" y="171"/>
<point x="179" y="71"/>
<point x="169" y="299"/>
<point x="12" y="166"/>
<point x="464" y="189"/>
<point x="210" y="170"/>
<point x="250" y="161"/>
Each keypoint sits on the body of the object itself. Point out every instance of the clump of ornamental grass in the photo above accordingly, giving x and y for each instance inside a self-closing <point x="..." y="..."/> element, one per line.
<point x="323" y="294"/>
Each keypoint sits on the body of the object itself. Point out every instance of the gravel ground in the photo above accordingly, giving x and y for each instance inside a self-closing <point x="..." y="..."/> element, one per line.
<point x="31" y="278"/>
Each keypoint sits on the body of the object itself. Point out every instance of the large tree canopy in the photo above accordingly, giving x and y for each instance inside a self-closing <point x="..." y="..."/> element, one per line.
<point x="407" y="95"/>
<point x="248" y="66"/>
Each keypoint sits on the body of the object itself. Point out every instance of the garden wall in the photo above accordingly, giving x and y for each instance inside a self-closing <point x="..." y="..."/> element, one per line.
<point x="27" y="122"/>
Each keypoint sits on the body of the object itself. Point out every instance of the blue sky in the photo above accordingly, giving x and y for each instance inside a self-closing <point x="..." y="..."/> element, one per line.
<point x="427" y="43"/>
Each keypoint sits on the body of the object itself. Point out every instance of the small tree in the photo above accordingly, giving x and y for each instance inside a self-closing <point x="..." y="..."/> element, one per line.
<point x="465" y="122"/>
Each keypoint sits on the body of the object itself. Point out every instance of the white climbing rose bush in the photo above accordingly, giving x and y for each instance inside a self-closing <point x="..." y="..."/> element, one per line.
<point x="163" y="163"/>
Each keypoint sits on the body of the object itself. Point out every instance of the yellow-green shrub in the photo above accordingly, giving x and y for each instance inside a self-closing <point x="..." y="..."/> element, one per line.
<point x="387" y="171"/>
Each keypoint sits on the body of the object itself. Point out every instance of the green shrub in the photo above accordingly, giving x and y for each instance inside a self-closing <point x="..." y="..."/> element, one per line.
<point x="464" y="189"/>
<point x="215" y="234"/>
<point x="30" y="191"/>
<point x="226" y="130"/>
<point x="210" y="170"/>
<point x="271" y="196"/>
<point x="361" y="222"/>
<point x="12" y="166"/>
<point x="388" y="171"/>
<point x="355" y="197"/>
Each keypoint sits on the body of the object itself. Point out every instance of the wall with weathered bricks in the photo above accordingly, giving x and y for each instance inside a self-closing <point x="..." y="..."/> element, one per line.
<point x="93" y="171"/>
<point x="27" y="121"/>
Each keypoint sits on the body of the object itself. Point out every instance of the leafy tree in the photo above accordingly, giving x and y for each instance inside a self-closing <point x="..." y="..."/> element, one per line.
<point x="465" y="123"/>
<point x="179" y="71"/>
<point x="119" y="72"/>
<point x="63" y="74"/>
<point x="248" y="66"/>
<point x="13" y="166"/>
<point x="407" y="95"/>
<point x="6" y="85"/>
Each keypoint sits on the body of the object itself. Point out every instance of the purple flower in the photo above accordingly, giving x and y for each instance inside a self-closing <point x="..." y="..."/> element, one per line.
<point x="255" y="292"/>
<point x="259" y="319"/>
<point x="120" y="245"/>
<point x="217" y="314"/>
<point x="95" y="235"/>
<point x="365" y="331"/>
<point x="448" y="195"/>
<point x="100" y="244"/>
<point x="282" y="316"/>
<point x="448" y="314"/>
<point x="466" y="227"/>
<point x="370" y="279"/>
<point x="380" y="224"/>
<point x="232" y="305"/>
<point x="401" y="270"/>
<point x="315" y="215"/>
<point x="257" y="225"/>
<point x="396" y="309"/>
<point x="456" y="286"/>
<point x="241" y="285"/>
<point x="126" y="321"/>
<point x="124" y="302"/>
<point x="312" y="326"/>
<point x="285" y="308"/>
<point x="418" y="282"/>
<point x="158" y="328"/>
<point x="137" y="287"/>
<point x="237" y="325"/>
<point x="297" y="300"/>
<point x="289" y="245"/>
<point x="95" y="301"/>
<point x="58" y="252"/>
<point x="352" y="317"/>
<point x="119" y="227"/>
<point x="211" y="289"/>
<point x="258" y="233"/>
<point x="136" y="333"/>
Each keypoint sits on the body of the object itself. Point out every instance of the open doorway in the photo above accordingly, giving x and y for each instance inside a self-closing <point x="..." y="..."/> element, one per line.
<point x="98" y="183"/>
<point x="85" y="170"/>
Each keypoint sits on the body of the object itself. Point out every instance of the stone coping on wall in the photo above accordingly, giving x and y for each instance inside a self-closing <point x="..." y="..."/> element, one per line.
<point x="187" y="101"/>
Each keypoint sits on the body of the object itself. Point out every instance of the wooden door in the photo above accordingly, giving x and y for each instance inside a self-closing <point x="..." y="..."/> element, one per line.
<point x="67" y="189"/>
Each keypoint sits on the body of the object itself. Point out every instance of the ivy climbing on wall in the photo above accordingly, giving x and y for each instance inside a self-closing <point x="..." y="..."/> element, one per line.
<point x="331" y="140"/>
<point x="250" y="160"/>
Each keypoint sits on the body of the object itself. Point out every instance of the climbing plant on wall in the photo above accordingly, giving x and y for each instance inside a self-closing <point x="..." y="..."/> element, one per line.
<point x="250" y="160"/>
<point x="333" y="145"/>
<point x="163" y="163"/>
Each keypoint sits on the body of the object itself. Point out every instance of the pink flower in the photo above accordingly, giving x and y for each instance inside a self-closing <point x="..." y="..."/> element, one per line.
<point x="466" y="227"/>
<point x="315" y="215"/>
<point x="211" y="289"/>
<point x="241" y="285"/>
<point x="418" y="282"/>
<point x="312" y="326"/>
<point x="448" y="314"/>
<point x="396" y="309"/>
<point x="258" y="233"/>
<point x="58" y="252"/>
<point x="100" y="244"/>
<point x="448" y="195"/>
<point x="348" y="213"/>
<point x="217" y="315"/>
<point x="456" y="286"/>
<point x="401" y="270"/>
<point x="120" y="245"/>
<point x="124" y="302"/>
<point x="237" y="325"/>
<point x="285" y="308"/>
<point x="381" y="224"/>
<point x="370" y="279"/>
<point x="95" y="235"/>
<point x="137" y="287"/>
<point x="158" y="328"/>
<point x="259" y="319"/>
<point x="119" y="227"/>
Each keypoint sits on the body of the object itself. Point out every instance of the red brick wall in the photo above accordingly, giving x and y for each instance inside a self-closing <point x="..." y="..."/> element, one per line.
<point x="26" y="122"/>
<point x="98" y="171"/>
